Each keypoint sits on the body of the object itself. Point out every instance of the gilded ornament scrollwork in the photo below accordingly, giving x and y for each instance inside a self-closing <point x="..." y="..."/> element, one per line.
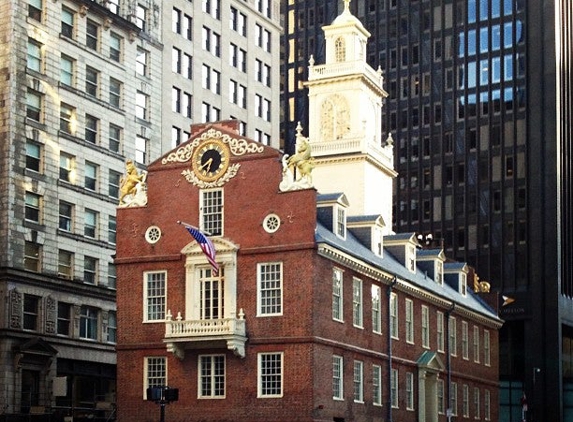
<point x="229" y="174"/>
<point x="237" y="146"/>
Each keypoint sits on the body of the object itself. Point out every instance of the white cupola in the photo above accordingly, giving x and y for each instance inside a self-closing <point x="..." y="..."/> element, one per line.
<point x="345" y="115"/>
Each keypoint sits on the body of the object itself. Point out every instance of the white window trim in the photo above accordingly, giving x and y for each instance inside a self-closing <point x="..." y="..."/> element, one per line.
<point x="425" y="327"/>
<point x="259" y="296"/>
<point x="340" y="360"/>
<point x="145" y="382"/>
<point x="394" y="322"/>
<point x="378" y="320"/>
<point x="358" y="381"/>
<point x="259" y="376"/>
<point x="145" y="297"/>
<point x="357" y="304"/>
<point x="211" y="397"/>
<point x="340" y="318"/>
<point x="409" y="321"/>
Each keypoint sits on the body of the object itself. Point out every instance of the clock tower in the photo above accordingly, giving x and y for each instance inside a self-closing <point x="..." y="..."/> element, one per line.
<point x="345" y="115"/>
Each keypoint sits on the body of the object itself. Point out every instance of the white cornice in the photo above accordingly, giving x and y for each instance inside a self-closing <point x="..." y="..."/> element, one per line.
<point x="342" y="258"/>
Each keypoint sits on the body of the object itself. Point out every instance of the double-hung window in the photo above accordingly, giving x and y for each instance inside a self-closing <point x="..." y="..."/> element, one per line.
<point x="337" y="299"/>
<point x="92" y="35"/>
<point x="31" y="312"/>
<point x="476" y="344"/>
<point x="394" y="388"/>
<point x="64" y="319"/>
<point x="465" y="340"/>
<point x="115" y="47"/>
<point x="89" y="323"/>
<point x="358" y="381"/>
<point x="270" y="374"/>
<point x="92" y="81"/>
<point x="67" y="118"/>
<point x="90" y="270"/>
<point x="155" y="372"/>
<point x="33" y="208"/>
<point x="65" y="264"/>
<point x="376" y="309"/>
<point x="34" y="55"/>
<point x="394" y="315"/>
<point x="453" y="345"/>
<point x="115" y="92"/>
<point x="211" y="211"/>
<point x="67" y="22"/>
<point x="112" y="327"/>
<point x="269" y="290"/>
<point x="66" y="70"/>
<point x="33" y="156"/>
<point x="91" y="129"/>
<point x="66" y="216"/>
<point x="34" y="105"/>
<point x="155" y="296"/>
<point x="409" y="321"/>
<point x="337" y="378"/>
<point x="357" y="314"/>
<point x="90" y="223"/>
<point x="90" y="176"/>
<point x="425" y="327"/>
<point x="212" y="376"/>
<point x="377" y="385"/>
<point x="35" y="9"/>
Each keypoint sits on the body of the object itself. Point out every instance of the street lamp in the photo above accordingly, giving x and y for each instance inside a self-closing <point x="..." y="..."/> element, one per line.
<point x="162" y="396"/>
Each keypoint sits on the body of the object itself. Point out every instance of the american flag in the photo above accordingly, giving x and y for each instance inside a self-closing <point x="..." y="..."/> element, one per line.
<point x="206" y="246"/>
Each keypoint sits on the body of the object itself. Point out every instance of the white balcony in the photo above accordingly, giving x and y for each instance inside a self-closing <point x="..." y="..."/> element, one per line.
<point x="333" y="70"/>
<point x="183" y="334"/>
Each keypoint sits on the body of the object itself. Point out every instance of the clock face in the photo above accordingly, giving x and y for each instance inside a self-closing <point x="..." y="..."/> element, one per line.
<point x="210" y="160"/>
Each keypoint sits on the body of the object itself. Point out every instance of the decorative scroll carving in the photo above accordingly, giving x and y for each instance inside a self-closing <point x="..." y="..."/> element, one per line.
<point x="237" y="146"/>
<point x="16" y="309"/>
<point x="51" y="315"/>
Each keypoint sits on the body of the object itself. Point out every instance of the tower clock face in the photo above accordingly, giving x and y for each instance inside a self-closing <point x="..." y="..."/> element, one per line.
<point x="210" y="160"/>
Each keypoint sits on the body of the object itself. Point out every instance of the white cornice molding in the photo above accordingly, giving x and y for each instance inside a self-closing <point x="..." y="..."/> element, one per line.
<point x="405" y="286"/>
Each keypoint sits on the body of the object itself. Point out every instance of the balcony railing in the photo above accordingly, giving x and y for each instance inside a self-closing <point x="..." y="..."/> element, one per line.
<point x="331" y="70"/>
<point x="181" y="334"/>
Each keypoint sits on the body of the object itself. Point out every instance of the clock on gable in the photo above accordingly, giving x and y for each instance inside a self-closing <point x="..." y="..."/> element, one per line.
<point x="210" y="160"/>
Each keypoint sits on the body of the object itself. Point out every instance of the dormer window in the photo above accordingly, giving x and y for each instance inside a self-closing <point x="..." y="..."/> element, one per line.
<point x="341" y="222"/>
<point x="439" y="273"/>
<point x="463" y="284"/>
<point x="411" y="258"/>
<point x="340" y="50"/>
<point x="377" y="241"/>
<point x="211" y="211"/>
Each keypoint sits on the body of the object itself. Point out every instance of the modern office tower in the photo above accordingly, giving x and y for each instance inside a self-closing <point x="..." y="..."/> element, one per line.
<point x="221" y="61"/>
<point x="480" y="104"/>
<point x="80" y="94"/>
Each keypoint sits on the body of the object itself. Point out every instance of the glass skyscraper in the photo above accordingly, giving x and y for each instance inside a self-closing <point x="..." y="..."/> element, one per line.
<point x="480" y="104"/>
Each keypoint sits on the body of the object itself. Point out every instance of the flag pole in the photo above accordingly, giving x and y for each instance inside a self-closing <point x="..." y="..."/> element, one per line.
<point x="193" y="227"/>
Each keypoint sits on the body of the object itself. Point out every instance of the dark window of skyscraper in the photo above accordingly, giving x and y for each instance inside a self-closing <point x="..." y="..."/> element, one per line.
<point x="496" y="200"/>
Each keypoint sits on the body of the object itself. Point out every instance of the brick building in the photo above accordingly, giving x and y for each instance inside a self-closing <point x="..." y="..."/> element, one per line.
<point x="310" y="309"/>
<point x="319" y="311"/>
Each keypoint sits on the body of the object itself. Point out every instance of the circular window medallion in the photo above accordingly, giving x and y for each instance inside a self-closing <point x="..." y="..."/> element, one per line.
<point x="153" y="234"/>
<point x="271" y="223"/>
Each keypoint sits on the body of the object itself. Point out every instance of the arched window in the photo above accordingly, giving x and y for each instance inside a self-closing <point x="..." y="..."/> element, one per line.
<point x="340" y="49"/>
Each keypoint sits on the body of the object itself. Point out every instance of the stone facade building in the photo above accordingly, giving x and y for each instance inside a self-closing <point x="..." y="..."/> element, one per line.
<point x="77" y="95"/>
<point x="89" y="87"/>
